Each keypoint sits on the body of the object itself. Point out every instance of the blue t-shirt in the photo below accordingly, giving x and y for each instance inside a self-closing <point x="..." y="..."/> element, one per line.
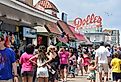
<point x="7" y="57"/>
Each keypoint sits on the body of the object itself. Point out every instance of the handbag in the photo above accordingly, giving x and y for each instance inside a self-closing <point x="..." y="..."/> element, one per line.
<point x="50" y="69"/>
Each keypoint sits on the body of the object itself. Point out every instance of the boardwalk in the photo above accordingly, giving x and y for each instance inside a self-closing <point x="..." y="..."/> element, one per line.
<point x="80" y="78"/>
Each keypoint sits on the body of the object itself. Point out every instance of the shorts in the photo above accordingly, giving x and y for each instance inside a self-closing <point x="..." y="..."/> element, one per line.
<point x="62" y="66"/>
<point x="42" y="72"/>
<point x="91" y="76"/>
<point x="103" y="67"/>
<point x="116" y="76"/>
<point x="72" y="69"/>
<point x="27" y="73"/>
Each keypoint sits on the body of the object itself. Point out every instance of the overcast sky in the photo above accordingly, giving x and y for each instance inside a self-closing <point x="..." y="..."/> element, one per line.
<point x="109" y="10"/>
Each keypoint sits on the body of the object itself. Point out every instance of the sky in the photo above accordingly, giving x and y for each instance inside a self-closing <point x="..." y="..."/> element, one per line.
<point x="109" y="10"/>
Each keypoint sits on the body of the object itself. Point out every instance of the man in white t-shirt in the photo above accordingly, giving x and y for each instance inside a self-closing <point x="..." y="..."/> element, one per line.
<point x="101" y="59"/>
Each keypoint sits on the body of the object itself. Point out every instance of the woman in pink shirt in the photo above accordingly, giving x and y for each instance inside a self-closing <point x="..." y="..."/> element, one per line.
<point x="27" y="66"/>
<point x="63" y="62"/>
<point x="86" y="61"/>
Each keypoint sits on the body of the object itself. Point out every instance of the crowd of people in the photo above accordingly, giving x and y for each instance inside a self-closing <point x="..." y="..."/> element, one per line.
<point x="51" y="64"/>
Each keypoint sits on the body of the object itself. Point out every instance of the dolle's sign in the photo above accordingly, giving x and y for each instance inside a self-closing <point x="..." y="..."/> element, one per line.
<point x="91" y="21"/>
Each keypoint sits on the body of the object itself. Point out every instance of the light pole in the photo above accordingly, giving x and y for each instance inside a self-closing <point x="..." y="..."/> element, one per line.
<point x="1" y="22"/>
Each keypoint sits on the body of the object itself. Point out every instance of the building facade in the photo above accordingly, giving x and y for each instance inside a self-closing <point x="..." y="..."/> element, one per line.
<point x="114" y="37"/>
<point x="22" y="19"/>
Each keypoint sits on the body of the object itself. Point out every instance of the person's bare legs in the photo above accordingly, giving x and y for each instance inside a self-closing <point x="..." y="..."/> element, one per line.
<point x="45" y="79"/>
<point x="119" y="80"/>
<point x="24" y="79"/>
<point x="81" y="69"/>
<point x="105" y="76"/>
<point x="55" y="80"/>
<point x="90" y="81"/>
<point x="40" y="79"/>
<point x="65" y="73"/>
<point x="100" y="76"/>
<point x="62" y="74"/>
<point x="86" y="68"/>
<point x="115" y="81"/>
<point x="30" y="78"/>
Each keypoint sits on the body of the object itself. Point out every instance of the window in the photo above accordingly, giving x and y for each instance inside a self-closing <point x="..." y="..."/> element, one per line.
<point x="114" y="32"/>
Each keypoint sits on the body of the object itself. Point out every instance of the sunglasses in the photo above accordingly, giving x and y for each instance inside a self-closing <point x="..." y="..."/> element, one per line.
<point x="52" y="48"/>
<point x="42" y="47"/>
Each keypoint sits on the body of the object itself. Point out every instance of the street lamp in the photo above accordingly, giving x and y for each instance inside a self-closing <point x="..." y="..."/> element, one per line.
<point x="1" y="22"/>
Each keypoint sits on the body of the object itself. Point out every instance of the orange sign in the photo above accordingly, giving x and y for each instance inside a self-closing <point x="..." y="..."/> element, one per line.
<point x="91" y="21"/>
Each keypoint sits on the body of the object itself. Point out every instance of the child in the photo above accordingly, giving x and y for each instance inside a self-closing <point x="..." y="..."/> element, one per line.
<point x="80" y="62"/>
<point x="71" y="68"/>
<point x="116" y="68"/>
<point x="92" y="74"/>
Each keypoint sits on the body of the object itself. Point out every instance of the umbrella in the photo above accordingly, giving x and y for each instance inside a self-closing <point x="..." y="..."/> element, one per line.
<point x="59" y="44"/>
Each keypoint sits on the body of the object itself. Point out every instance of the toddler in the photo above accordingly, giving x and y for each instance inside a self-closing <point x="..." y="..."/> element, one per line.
<point x="92" y="74"/>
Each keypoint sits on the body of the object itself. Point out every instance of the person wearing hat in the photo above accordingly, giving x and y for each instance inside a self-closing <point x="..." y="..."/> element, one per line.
<point x="53" y="63"/>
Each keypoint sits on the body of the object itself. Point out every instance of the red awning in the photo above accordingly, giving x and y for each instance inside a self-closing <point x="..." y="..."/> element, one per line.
<point x="62" y="39"/>
<point x="79" y="36"/>
<point x="64" y="26"/>
<point x="53" y="28"/>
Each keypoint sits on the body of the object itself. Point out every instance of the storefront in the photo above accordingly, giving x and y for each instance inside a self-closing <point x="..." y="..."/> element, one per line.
<point x="27" y="34"/>
<point x="42" y="40"/>
<point x="25" y="18"/>
<point x="10" y="33"/>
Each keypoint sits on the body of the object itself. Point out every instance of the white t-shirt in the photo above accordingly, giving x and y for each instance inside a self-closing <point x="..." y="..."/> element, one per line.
<point x="102" y="53"/>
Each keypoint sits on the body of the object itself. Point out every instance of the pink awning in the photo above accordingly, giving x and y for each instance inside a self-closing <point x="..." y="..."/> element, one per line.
<point x="62" y="39"/>
<point x="79" y="36"/>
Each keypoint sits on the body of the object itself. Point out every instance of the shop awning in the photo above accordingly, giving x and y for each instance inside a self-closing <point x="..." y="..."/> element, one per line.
<point x="63" y="26"/>
<point x="62" y="39"/>
<point x="52" y="28"/>
<point x="78" y="36"/>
